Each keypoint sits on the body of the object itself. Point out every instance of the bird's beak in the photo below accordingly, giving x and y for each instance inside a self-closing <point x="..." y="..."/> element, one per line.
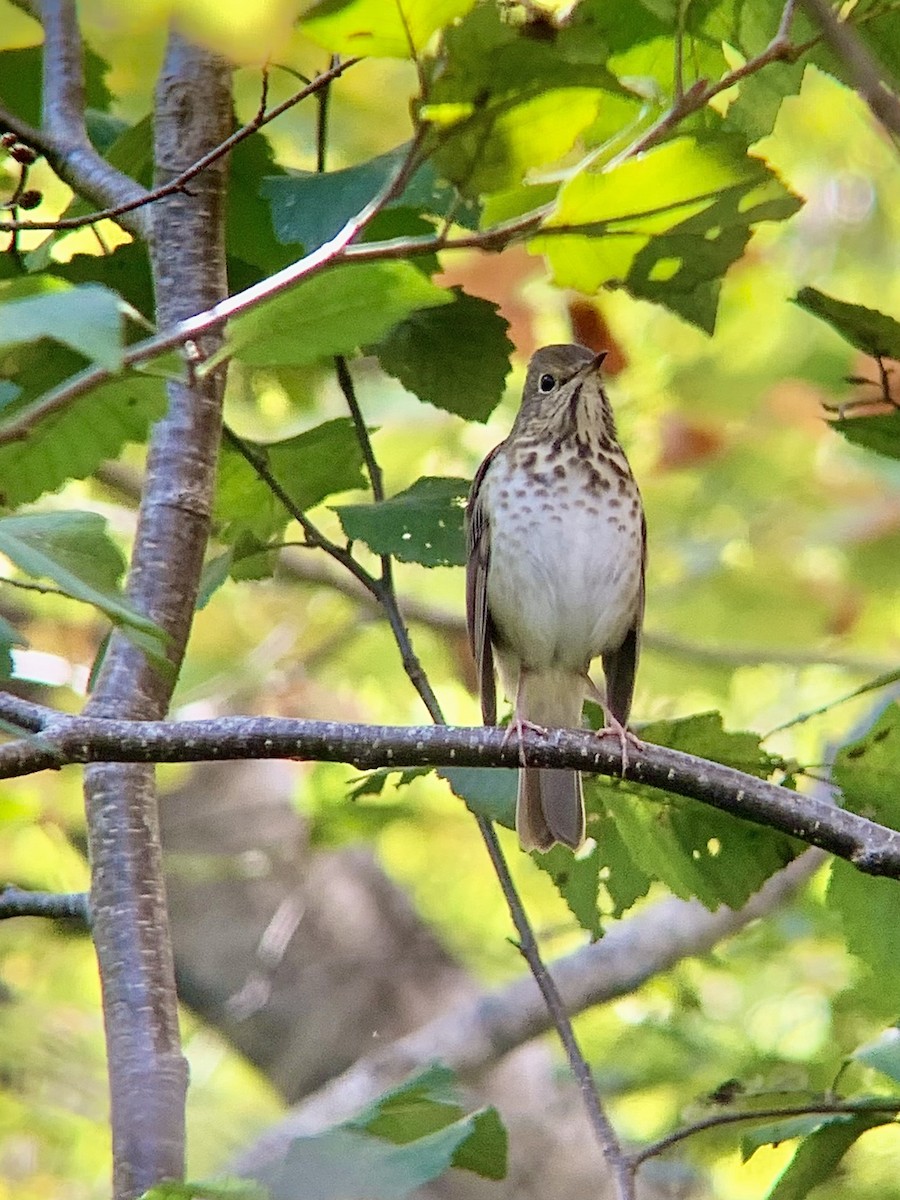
<point x="593" y="365"/>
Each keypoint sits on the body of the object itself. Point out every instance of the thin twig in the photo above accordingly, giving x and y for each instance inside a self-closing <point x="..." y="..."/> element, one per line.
<point x="825" y="1107"/>
<point x="314" y="536"/>
<point x="178" y="184"/>
<point x="613" y="1154"/>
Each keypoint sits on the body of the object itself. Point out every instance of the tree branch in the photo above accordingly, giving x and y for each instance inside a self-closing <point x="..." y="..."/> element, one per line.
<point x="15" y="902"/>
<point x="63" y="138"/>
<point x="262" y="118"/>
<point x="473" y="1037"/>
<point x="865" y="73"/>
<point x="148" y="1073"/>
<point x="341" y="249"/>
<point x="58" y="740"/>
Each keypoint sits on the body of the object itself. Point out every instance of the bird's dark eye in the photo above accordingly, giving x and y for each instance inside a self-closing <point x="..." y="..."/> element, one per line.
<point x="547" y="383"/>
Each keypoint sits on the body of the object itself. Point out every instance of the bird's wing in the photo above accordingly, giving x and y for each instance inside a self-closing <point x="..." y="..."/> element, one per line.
<point x="620" y="666"/>
<point x="478" y="618"/>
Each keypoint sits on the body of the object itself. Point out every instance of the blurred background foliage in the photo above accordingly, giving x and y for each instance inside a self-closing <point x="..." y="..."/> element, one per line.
<point x="772" y="590"/>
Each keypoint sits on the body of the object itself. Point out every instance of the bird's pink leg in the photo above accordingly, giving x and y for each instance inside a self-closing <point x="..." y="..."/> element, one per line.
<point x="613" y="724"/>
<point x="520" y="723"/>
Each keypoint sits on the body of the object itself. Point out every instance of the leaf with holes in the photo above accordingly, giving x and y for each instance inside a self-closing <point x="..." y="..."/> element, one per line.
<point x="424" y="524"/>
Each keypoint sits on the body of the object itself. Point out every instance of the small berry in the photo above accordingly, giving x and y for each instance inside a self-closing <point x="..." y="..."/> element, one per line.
<point x="30" y="199"/>
<point x="23" y="154"/>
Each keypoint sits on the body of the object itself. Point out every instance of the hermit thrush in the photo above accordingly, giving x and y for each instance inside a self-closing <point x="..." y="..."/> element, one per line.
<point x="555" y="575"/>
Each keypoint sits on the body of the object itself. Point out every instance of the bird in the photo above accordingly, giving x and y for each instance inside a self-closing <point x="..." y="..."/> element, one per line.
<point x="556" y="552"/>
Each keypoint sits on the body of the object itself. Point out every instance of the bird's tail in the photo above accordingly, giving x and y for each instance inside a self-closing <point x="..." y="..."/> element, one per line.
<point x="549" y="808"/>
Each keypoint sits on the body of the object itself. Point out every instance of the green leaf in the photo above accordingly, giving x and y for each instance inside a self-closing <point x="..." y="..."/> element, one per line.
<point x="576" y="877"/>
<point x="424" y="524"/>
<point x="879" y="433"/>
<point x="882" y="1054"/>
<point x="373" y="783"/>
<point x="310" y="466"/>
<point x="818" y="1156"/>
<point x="9" y="637"/>
<point x="213" y="1189"/>
<point x="868" y="330"/>
<point x="331" y="313"/>
<point x="88" y="319"/>
<point x="487" y="791"/>
<point x="248" y="221"/>
<point x="502" y="102"/>
<point x="866" y="772"/>
<point x="71" y="442"/>
<point x="408" y="1137"/>
<point x="21" y="72"/>
<point x="694" y="849"/>
<point x="703" y="198"/>
<point x="455" y="357"/>
<point x="427" y="1103"/>
<point x="787" y="1129"/>
<point x="379" y="28"/>
<point x="74" y="550"/>
<point x="309" y="207"/>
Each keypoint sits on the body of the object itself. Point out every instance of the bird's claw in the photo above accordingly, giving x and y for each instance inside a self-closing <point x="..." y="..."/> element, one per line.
<point x="519" y="724"/>
<point x="615" y="727"/>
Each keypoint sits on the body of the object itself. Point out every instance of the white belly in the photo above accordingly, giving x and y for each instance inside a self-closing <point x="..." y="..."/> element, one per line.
<point x="563" y="585"/>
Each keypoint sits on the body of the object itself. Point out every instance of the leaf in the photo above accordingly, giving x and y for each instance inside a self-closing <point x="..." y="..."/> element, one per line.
<point x="379" y="28"/>
<point x="487" y="791"/>
<point x="309" y="467"/>
<point x="213" y="1189"/>
<point x="503" y="103"/>
<point x="248" y="220"/>
<point x="21" y="71"/>
<point x="683" y="269"/>
<point x="331" y="313"/>
<point x="72" y="442"/>
<point x="455" y="357"/>
<point x="408" y="1137"/>
<point x="9" y="637"/>
<point x="867" y="329"/>
<point x="818" y="1155"/>
<point x="373" y="783"/>
<point x="694" y="849"/>
<point x="576" y="877"/>
<point x="309" y="207"/>
<point x="424" y="524"/>
<point x="882" y="1054"/>
<point x="786" y="1129"/>
<point x="880" y="433"/>
<point x="869" y="907"/>
<point x="428" y="1102"/>
<point x="74" y="550"/>
<point x="88" y="319"/>
<point x="703" y="196"/>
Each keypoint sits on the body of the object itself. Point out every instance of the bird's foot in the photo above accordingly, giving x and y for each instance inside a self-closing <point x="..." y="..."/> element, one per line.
<point x="518" y="725"/>
<point x="614" y="726"/>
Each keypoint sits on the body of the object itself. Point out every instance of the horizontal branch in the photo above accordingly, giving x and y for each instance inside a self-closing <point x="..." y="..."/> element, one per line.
<point x="17" y="902"/>
<point x="56" y="740"/>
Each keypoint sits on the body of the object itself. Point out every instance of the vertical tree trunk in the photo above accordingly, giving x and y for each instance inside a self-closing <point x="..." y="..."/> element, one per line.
<point x="148" y="1074"/>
